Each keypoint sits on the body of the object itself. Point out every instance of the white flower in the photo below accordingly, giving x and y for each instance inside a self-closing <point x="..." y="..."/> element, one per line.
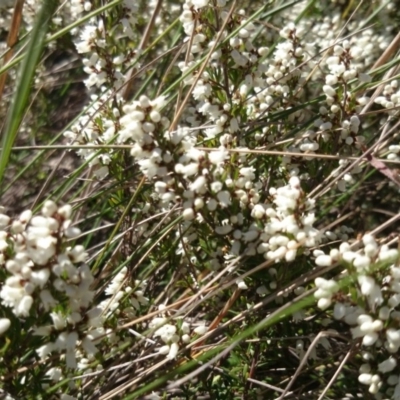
<point x="199" y="185"/>
<point x="218" y="156"/>
<point x="166" y="332"/>
<point x="323" y="261"/>
<point x="77" y="254"/>
<point x="88" y="346"/>
<point x="370" y="338"/>
<point x="65" y="211"/>
<point x="200" y="330"/>
<point x="329" y="90"/>
<point x="22" y="309"/>
<point x="164" y="350"/>
<point x="70" y="358"/>
<point x="224" y="198"/>
<point x="59" y="320"/>
<point x="5" y="324"/>
<point x="367" y="284"/>
<point x="54" y="373"/>
<point x="241" y="284"/>
<point x="4" y="221"/>
<point x="3" y="241"/>
<point x="223" y="230"/>
<point x="25" y="216"/>
<point x="250" y="235"/>
<point x="387" y="365"/>
<point x="188" y="214"/>
<point x="49" y="208"/>
<point x="40" y="277"/>
<point x="361" y="261"/>
<point x="365" y="379"/>
<point x="45" y="350"/>
<point x="42" y="330"/>
<point x="200" y="3"/>
<point x="173" y="351"/>
<point x="157" y="322"/>
<point x="324" y="303"/>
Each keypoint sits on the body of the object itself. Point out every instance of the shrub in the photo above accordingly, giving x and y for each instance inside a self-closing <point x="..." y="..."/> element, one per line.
<point x="226" y="224"/>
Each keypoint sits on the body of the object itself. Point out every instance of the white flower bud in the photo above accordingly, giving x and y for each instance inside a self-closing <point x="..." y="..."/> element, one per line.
<point x="5" y="324"/>
<point x="377" y="325"/>
<point x="188" y="214"/>
<point x="329" y="90"/>
<point x="65" y="211"/>
<point x="365" y="379"/>
<point x="241" y="284"/>
<point x="384" y="313"/>
<point x="212" y="204"/>
<point x="366" y="327"/>
<point x="393" y="336"/>
<point x="164" y="350"/>
<point x="323" y="261"/>
<point x="373" y="388"/>
<point x="185" y="338"/>
<point x="324" y="303"/>
<point x="173" y="351"/>
<point x="49" y="208"/>
<point x="290" y="255"/>
<point x="25" y="216"/>
<point x="370" y="338"/>
<point x="322" y="293"/>
<point x="361" y="262"/>
<point x="387" y="365"/>
<point x="200" y="330"/>
<point x="339" y="311"/>
<point x="367" y="284"/>
<point x="258" y="211"/>
<point x="4" y="220"/>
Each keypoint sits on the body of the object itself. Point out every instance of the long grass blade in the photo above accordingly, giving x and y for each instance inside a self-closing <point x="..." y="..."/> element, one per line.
<point x="26" y="74"/>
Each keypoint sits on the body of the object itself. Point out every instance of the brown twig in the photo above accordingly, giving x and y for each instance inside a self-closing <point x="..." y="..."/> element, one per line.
<point x="305" y="358"/>
<point x="11" y="40"/>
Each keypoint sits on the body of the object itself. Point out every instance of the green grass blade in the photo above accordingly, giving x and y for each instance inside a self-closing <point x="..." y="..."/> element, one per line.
<point x="26" y="74"/>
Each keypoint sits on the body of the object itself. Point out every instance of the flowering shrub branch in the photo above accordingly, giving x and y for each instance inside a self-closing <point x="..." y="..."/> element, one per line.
<point x="231" y="159"/>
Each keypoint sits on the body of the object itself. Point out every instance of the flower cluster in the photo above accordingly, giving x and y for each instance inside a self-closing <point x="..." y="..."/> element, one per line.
<point x="102" y="63"/>
<point x="89" y="130"/>
<point x="394" y="151"/>
<point x="209" y="173"/>
<point x="173" y="334"/>
<point x="31" y="252"/>
<point x="373" y="316"/>
<point x="390" y="97"/>
<point x="221" y="195"/>
<point x="117" y="290"/>
<point x="46" y="277"/>
<point x="139" y="126"/>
